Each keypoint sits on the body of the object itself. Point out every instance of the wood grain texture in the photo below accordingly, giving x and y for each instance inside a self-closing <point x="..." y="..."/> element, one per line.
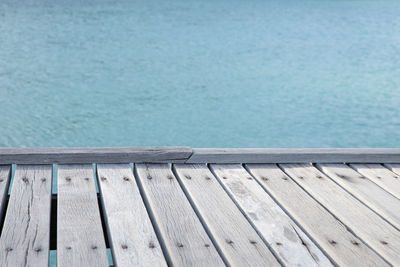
<point x="185" y="240"/>
<point x="288" y="241"/>
<point x="80" y="240"/>
<point x="394" y="167"/>
<point x="131" y="234"/>
<point x="332" y="236"/>
<point x="381" y="176"/>
<point x="195" y="155"/>
<point x="290" y="155"/>
<point x="93" y="155"/>
<point x="236" y="238"/>
<point x="5" y="174"/>
<point x="365" y="190"/>
<point x="366" y="224"/>
<point x="25" y="236"/>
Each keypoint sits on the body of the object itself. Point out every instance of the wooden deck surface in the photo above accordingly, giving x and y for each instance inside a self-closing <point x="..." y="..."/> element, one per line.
<point x="184" y="214"/>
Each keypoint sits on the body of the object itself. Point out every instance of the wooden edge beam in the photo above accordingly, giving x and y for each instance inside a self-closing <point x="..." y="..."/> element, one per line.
<point x="197" y="155"/>
<point x="94" y="155"/>
<point x="294" y="155"/>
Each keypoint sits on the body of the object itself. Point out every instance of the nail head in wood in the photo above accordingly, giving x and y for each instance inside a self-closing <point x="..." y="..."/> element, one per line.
<point x="332" y="242"/>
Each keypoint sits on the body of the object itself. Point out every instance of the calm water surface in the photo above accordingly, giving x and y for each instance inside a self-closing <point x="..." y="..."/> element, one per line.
<point x="221" y="73"/>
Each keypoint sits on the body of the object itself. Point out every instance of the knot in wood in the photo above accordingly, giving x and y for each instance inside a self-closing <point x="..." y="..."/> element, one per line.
<point x="151" y="245"/>
<point x="25" y="180"/>
<point x="37" y="249"/>
<point x="103" y="178"/>
<point x="124" y="246"/>
<point x="384" y="242"/>
<point x="9" y="249"/>
<point x="180" y="245"/>
<point x="207" y="178"/>
<point x="126" y="178"/>
<point x="188" y="177"/>
<point x="68" y="179"/>
<point x="355" y="243"/>
<point x="94" y="247"/>
<point x="170" y="177"/>
<point x="332" y="242"/>
<point x="43" y="179"/>
<point x="253" y="242"/>
<point x="278" y="243"/>
<point x="207" y="245"/>
<point x="230" y="242"/>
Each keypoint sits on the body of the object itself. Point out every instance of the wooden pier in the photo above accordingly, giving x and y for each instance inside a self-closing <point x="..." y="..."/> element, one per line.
<point x="178" y="206"/>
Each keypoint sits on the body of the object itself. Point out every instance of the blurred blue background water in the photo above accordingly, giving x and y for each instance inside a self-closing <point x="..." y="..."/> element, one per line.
<point x="200" y="73"/>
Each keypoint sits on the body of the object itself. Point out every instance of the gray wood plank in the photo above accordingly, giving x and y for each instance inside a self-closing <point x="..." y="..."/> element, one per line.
<point x="25" y="237"/>
<point x="365" y="190"/>
<point x="381" y="176"/>
<point x="332" y="236"/>
<point x="366" y="224"/>
<point x="80" y="240"/>
<point x="394" y="167"/>
<point x="288" y="241"/>
<point x="196" y="155"/>
<point x="131" y="234"/>
<point x="185" y="240"/>
<point x="93" y="155"/>
<point x="5" y="174"/>
<point x="235" y="237"/>
<point x="290" y="155"/>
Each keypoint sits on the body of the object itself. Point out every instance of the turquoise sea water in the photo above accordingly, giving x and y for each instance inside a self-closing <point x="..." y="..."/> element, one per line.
<point x="206" y="73"/>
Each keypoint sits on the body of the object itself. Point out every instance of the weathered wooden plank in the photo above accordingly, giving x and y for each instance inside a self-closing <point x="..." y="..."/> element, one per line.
<point x="93" y="155"/>
<point x="365" y="190"/>
<point x="197" y="155"/>
<point x="25" y="236"/>
<point x="279" y="155"/>
<point x="366" y="224"/>
<point x="5" y="174"/>
<point x="131" y="234"/>
<point x="235" y="237"/>
<point x="332" y="236"/>
<point x="288" y="241"/>
<point x="381" y="176"/>
<point x="394" y="168"/>
<point x="185" y="240"/>
<point x="80" y="240"/>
